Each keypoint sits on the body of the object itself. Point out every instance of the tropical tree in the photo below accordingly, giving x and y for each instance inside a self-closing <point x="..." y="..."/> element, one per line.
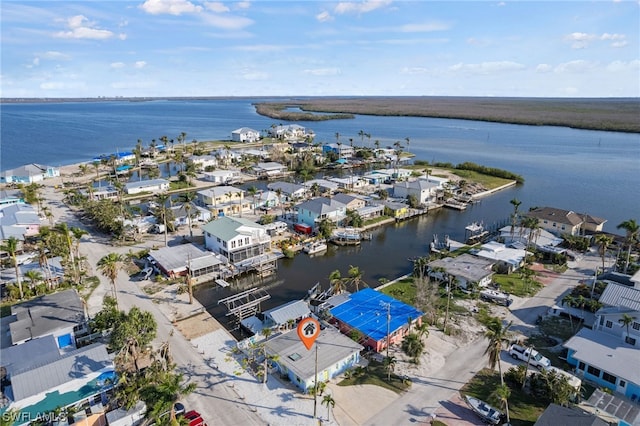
<point x="498" y="334"/>
<point x="34" y="277"/>
<point x="326" y="227"/>
<point x="632" y="228"/>
<point x="187" y="199"/>
<point x="64" y="230"/>
<point x="109" y="266"/>
<point x="355" y="276"/>
<point x="423" y="330"/>
<point x="514" y="217"/>
<point x="253" y="192"/>
<point x="501" y="395"/>
<point x="162" y="211"/>
<point x="570" y="301"/>
<point x="11" y="247"/>
<point x="389" y="365"/>
<point x="413" y="347"/>
<point x="533" y="225"/>
<point x="603" y="241"/>
<point x="336" y="282"/>
<point x="626" y="320"/>
<point x="330" y="403"/>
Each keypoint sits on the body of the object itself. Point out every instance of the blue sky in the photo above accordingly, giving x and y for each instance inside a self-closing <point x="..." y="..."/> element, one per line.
<point x="320" y="48"/>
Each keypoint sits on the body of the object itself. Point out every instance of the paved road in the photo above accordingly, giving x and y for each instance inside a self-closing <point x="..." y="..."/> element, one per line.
<point x="219" y="404"/>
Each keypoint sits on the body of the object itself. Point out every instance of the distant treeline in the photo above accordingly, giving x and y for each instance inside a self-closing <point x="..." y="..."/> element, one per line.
<point x="489" y="171"/>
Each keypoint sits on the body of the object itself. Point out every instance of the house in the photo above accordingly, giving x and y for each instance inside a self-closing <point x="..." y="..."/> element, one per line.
<point x="19" y="221"/>
<point x="120" y="157"/>
<point x="52" y="272"/>
<point x="284" y="315"/>
<point x="269" y="170"/>
<point x="315" y="210"/>
<point x="377" y="177"/>
<point x="466" y="270"/>
<point x="619" y="301"/>
<point x="29" y="173"/>
<point x="223" y="200"/>
<point x="154" y="186"/>
<point x="183" y="259"/>
<point x="397" y="210"/>
<point x="290" y="191"/>
<point x="290" y="132"/>
<point x="614" y="409"/>
<point x="323" y="185"/>
<point x="8" y="197"/>
<point x="245" y="134"/>
<point x="336" y="353"/>
<point x="558" y="221"/>
<point x="237" y="239"/>
<point x="181" y="214"/>
<point x="266" y="200"/>
<point x="96" y="193"/>
<point x="555" y="415"/>
<point x="353" y="202"/>
<point x="507" y="259"/>
<point x="371" y="211"/>
<point x="61" y="315"/>
<point x="423" y="190"/>
<point x="351" y="183"/>
<point x="202" y="162"/>
<point x="396" y="173"/>
<point x="541" y="239"/>
<point x="375" y="316"/>
<point x="605" y="360"/>
<point x="222" y="177"/>
<point x="339" y="149"/>
<point x="42" y="379"/>
<point x="226" y="156"/>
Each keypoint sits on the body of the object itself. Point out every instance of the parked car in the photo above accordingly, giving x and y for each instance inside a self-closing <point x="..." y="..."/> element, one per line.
<point x="536" y="359"/>
<point x="195" y="419"/>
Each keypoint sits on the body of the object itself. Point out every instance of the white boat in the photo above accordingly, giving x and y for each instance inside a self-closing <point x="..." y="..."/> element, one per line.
<point x="315" y="247"/>
<point x="496" y="296"/>
<point x="486" y="412"/>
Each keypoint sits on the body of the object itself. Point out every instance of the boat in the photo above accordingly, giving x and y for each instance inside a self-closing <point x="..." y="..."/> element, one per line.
<point x="315" y="247"/>
<point x="496" y="296"/>
<point x="487" y="413"/>
<point x="346" y="237"/>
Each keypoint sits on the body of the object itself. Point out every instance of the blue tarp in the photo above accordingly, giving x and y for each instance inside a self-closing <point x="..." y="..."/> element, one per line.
<point x="366" y="311"/>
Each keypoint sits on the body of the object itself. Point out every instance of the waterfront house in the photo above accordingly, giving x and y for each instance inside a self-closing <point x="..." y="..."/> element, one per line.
<point x="290" y="191"/>
<point x="374" y="315"/>
<point x="290" y="132"/>
<point x="61" y="315"/>
<point x="324" y="186"/>
<point x="235" y="238"/>
<point x="353" y="202"/>
<point x="42" y="379"/>
<point x="222" y="177"/>
<point x="395" y="209"/>
<point x="181" y="214"/>
<point x="465" y="270"/>
<point x="378" y="177"/>
<point x="29" y="173"/>
<point x="19" y="221"/>
<point x="8" y="197"/>
<point x="606" y="360"/>
<point x="286" y="315"/>
<point x="245" y="134"/>
<point x="153" y="186"/>
<point x="371" y="211"/>
<point x="541" y="239"/>
<point x="202" y="162"/>
<point x="350" y="183"/>
<point x="341" y="150"/>
<point x="226" y="156"/>
<point x="317" y="209"/>
<point x="223" y="200"/>
<point x="183" y="259"/>
<point x="425" y="192"/>
<point x="269" y="170"/>
<point x="107" y="192"/>
<point x="507" y="259"/>
<point x="119" y="157"/>
<point x="559" y="222"/>
<point x="336" y="353"/>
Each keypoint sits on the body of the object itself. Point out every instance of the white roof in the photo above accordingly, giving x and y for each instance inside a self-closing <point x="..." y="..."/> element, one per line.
<point x="289" y="311"/>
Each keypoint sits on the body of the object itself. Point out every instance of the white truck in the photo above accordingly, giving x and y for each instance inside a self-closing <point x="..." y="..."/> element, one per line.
<point x="536" y="360"/>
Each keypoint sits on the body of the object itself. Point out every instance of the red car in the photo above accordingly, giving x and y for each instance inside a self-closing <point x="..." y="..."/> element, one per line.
<point x="195" y="419"/>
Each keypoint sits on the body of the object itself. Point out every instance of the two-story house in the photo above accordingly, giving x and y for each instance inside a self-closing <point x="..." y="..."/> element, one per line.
<point x="245" y="134"/>
<point x="223" y="200"/>
<point x="289" y="192"/>
<point x="423" y="190"/>
<point x="558" y="221"/>
<point x="609" y="354"/>
<point x="269" y="170"/>
<point x="313" y="211"/>
<point x="29" y="173"/>
<point x="341" y="150"/>
<point x="236" y="238"/>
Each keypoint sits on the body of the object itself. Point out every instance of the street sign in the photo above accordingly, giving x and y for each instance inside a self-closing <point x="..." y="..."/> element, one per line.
<point x="308" y="331"/>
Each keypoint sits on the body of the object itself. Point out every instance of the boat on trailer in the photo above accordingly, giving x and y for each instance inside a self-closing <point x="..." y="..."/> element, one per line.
<point x="486" y="412"/>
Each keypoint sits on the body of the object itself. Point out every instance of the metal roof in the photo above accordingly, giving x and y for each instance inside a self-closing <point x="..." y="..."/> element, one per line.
<point x="227" y="228"/>
<point x="29" y="354"/>
<point x="175" y="258"/>
<point x="289" y="311"/>
<point x="621" y="296"/>
<point x="606" y="352"/>
<point x="556" y="415"/>
<point x="333" y="347"/>
<point x="146" y="183"/>
<point x="321" y="205"/>
<point x="469" y="267"/>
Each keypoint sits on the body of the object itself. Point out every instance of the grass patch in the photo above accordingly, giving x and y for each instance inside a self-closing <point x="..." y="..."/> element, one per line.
<point x="403" y="290"/>
<point x="375" y="374"/>
<point x="523" y="408"/>
<point x="489" y="182"/>
<point x="558" y="327"/>
<point x="515" y="285"/>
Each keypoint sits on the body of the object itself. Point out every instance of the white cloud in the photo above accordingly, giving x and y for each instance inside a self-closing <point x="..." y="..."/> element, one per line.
<point x="122" y="36"/>
<point x="414" y="70"/>
<point x="140" y="64"/>
<point x="579" y="40"/>
<point x="424" y="27"/>
<point x="624" y="66"/>
<point x="607" y="36"/>
<point x="56" y="56"/>
<point x="171" y="7"/>
<point x="81" y="28"/>
<point x="36" y="61"/>
<point x="243" y="5"/>
<point x="360" y="7"/>
<point x="217" y="7"/>
<point x="254" y="75"/>
<point x="324" y="16"/>
<point x="323" y="71"/>
<point x="544" y="68"/>
<point x="227" y="22"/>
<point x="117" y="65"/>
<point x="487" y="67"/>
<point x="622" y="43"/>
<point x="61" y="85"/>
<point x="577" y="66"/>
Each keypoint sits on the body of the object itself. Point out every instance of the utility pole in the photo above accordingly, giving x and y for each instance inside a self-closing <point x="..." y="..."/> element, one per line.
<point x="315" y="385"/>
<point x="388" y="306"/>
<point x="446" y="315"/>
<point x="593" y="284"/>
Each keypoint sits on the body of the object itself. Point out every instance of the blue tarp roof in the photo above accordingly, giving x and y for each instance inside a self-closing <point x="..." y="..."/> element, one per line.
<point x="366" y="311"/>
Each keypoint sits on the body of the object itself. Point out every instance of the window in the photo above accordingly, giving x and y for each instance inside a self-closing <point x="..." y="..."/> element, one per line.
<point x="609" y="378"/>
<point x="636" y="325"/>
<point x="593" y="371"/>
<point x="623" y="383"/>
<point x="581" y="366"/>
<point x="609" y="324"/>
<point x="601" y="321"/>
<point x="233" y="244"/>
<point x="630" y="340"/>
<point x="219" y="240"/>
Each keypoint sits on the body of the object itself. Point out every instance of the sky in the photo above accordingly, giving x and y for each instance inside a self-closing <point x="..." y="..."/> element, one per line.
<point x="168" y="48"/>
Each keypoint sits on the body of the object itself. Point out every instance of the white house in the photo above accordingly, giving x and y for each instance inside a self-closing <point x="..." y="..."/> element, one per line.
<point x="508" y="259"/>
<point x="236" y="238"/>
<point x="290" y="132"/>
<point x="203" y="161"/>
<point x="181" y="213"/>
<point x="351" y="182"/>
<point x="29" y="173"/>
<point x="108" y="192"/>
<point x="19" y="221"/>
<point x="154" y="186"/>
<point x="341" y="150"/>
<point x="269" y="170"/>
<point x="245" y="134"/>
<point x="222" y="177"/>
<point x="423" y="190"/>
<point x="290" y="191"/>
<point x="465" y="269"/>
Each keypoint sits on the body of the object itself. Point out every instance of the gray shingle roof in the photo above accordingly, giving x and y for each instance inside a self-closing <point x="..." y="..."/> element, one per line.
<point x="556" y="415"/>
<point x="321" y="205"/>
<point x="621" y="296"/>
<point x="470" y="267"/>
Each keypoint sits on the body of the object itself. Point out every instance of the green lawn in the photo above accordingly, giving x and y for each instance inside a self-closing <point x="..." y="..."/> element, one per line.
<point x="403" y="290"/>
<point x="523" y="409"/>
<point x="515" y="285"/>
<point x="375" y="374"/>
<point x="487" y="181"/>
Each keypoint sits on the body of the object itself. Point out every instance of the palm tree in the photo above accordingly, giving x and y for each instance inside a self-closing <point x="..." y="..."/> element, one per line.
<point x="570" y="301"/>
<point x="336" y="282"/>
<point x="34" y="277"/>
<point x="501" y="394"/>
<point x="408" y="142"/>
<point x="413" y="346"/>
<point x="389" y="365"/>
<point x="355" y="276"/>
<point x="253" y="192"/>
<point x="514" y="217"/>
<point x="533" y="225"/>
<point x="632" y="228"/>
<point x="109" y="266"/>
<point x="11" y="247"/>
<point x="162" y="211"/>
<point x="423" y="330"/>
<point x="626" y="320"/>
<point x="497" y="334"/>
<point x="603" y="241"/>
<point x="330" y="403"/>
<point x="186" y="199"/>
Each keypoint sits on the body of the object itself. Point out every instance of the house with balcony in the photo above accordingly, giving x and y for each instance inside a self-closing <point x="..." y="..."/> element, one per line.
<point x="269" y="170"/>
<point x="29" y="173"/>
<point x="313" y="211"/>
<point x="507" y="259"/>
<point x="223" y="200"/>
<point x="423" y="190"/>
<point x="245" y="135"/>
<point x="341" y="150"/>
<point x="559" y="222"/>
<point x="8" y="197"/>
<point x="152" y="186"/>
<point x="290" y="192"/>
<point x="236" y="238"/>
<point x="96" y="193"/>
<point x="183" y="259"/>
<point x="465" y="270"/>
<point x="290" y="132"/>
<point x="202" y="162"/>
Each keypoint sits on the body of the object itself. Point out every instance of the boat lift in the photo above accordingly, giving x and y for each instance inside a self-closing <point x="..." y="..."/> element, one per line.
<point x="244" y="304"/>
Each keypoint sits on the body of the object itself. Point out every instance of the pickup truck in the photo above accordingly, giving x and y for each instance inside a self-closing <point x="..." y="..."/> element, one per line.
<point x="522" y="353"/>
